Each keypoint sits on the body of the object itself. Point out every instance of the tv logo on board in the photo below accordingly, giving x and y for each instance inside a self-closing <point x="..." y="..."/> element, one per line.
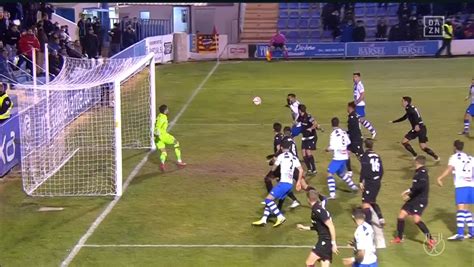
<point x="433" y="26"/>
<point x="372" y="50"/>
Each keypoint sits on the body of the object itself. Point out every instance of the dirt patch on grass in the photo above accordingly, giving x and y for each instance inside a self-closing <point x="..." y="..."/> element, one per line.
<point x="227" y="167"/>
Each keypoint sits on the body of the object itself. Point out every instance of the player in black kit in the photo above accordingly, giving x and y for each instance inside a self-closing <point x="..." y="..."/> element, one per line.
<point x="416" y="201"/>
<point x="354" y="133"/>
<point x="277" y="149"/>
<point x="309" y="139"/>
<point x="323" y="225"/>
<point x="370" y="181"/>
<point x="418" y="129"/>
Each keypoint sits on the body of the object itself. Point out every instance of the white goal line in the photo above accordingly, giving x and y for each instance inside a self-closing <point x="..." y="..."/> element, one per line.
<point x="198" y="246"/>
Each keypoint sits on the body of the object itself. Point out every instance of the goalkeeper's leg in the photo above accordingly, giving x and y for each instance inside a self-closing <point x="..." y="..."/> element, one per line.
<point x="161" y="146"/>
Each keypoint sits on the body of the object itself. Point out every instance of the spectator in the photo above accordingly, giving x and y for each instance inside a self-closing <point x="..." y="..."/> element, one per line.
<point x="48" y="26"/>
<point x="326" y="13"/>
<point x="137" y="27"/>
<point x="81" y="24"/>
<point x="3" y="25"/>
<point x="347" y="32"/>
<point x="54" y="44"/>
<point x="129" y="37"/>
<point x="46" y="9"/>
<point x="381" y="34"/>
<point x="55" y="63"/>
<point x="459" y="31"/>
<point x="6" y="104"/>
<point x="88" y="24"/>
<point x="359" y="32"/>
<point x="403" y="10"/>
<point x="74" y="49"/>
<point x="469" y="30"/>
<point x="333" y="24"/>
<point x="42" y="38"/>
<point x="97" y="26"/>
<point x="116" y="36"/>
<point x="403" y="31"/>
<point x="394" y="34"/>
<point x="11" y="41"/>
<point x="31" y="9"/>
<point x="412" y="29"/>
<point x="92" y="44"/>
<point x="6" y="72"/>
<point x="26" y="44"/>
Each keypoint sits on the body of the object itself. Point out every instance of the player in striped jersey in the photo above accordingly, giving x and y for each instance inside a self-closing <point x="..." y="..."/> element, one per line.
<point x="462" y="166"/>
<point x="359" y="99"/>
<point x="469" y="111"/>
<point x="338" y="143"/>
<point x="287" y="163"/>
<point x="293" y="104"/>
<point x="364" y="246"/>
<point x="272" y="174"/>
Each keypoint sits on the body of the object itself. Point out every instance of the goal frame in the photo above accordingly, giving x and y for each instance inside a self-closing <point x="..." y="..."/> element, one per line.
<point x="147" y="61"/>
<point x="150" y="58"/>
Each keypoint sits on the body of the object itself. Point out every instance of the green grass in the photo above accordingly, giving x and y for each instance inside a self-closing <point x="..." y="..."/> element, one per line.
<point x="224" y="139"/>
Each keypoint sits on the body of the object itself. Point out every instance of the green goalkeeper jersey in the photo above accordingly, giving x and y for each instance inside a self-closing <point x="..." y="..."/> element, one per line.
<point x="161" y="125"/>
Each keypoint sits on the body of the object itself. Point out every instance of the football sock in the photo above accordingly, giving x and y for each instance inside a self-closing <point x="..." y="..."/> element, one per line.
<point x="292" y="196"/>
<point x="177" y="151"/>
<point x="400" y="228"/>
<point x="266" y="213"/>
<point x="311" y="163"/>
<point x="430" y="152"/>
<point x="348" y="179"/>
<point x="470" y="224"/>
<point x="268" y="181"/>
<point x="377" y="210"/>
<point x="467" y="123"/>
<point x="348" y="165"/>
<point x="331" y="185"/>
<point x="368" y="126"/>
<point x="285" y="53"/>
<point x="273" y="207"/>
<point x="280" y="203"/>
<point x="410" y="149"/>
<point x="368" y="215"/>
<point x="163" y="156"/>
<point x="460" y="220"/>
<point x="306" y="161"/>
<point x="424" y="229"/>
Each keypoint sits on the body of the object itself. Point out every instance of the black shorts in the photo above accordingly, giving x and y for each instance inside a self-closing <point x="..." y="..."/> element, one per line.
<point x="369" y="195"/>
<point x="296" y="173"/>
<point x="356" y="148"/>
<point x="421" y="135"/>
<point x="323" y="249"/>
<point x="309" y="144"/>
<point x="277" y="172"/>
<point x="279" y="46"/>
<point x="415" y="207"/>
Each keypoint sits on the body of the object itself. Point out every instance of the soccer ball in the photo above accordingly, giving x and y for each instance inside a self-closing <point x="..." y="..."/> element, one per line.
<point x="257" y="100"/>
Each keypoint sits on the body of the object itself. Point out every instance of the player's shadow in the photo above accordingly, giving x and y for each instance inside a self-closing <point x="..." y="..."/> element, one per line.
<point x="448" y="218"/>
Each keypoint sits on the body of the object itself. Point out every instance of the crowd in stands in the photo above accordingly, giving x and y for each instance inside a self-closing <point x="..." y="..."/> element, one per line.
<point x="340" y="19"/>
<point x="27" y="27"/>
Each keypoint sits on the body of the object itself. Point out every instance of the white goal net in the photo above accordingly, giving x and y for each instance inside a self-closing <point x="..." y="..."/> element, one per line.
<point x="73" y="130"/>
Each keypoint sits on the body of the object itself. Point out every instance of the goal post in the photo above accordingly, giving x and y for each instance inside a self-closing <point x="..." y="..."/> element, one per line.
<point x="74" y="130"/>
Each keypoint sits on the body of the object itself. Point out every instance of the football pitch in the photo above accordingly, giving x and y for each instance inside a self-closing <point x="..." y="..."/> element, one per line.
<point x="201" y="215"/>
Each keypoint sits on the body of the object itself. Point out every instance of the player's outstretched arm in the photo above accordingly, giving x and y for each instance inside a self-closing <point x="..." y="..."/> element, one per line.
<point x="332" y="230"/>
<point x="446" y="172"/>
<point x="404" y="117"/>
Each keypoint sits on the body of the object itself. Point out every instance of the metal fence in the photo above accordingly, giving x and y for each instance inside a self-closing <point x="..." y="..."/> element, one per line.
<point x="145" y="27"/>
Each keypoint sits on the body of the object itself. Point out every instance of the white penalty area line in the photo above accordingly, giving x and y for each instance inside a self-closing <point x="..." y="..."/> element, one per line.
<point x="108" y="209"/>
<point x="198" y="246"/>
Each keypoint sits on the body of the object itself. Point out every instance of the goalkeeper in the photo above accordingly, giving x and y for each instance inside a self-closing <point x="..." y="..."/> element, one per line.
<point x="163" y="138"/>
